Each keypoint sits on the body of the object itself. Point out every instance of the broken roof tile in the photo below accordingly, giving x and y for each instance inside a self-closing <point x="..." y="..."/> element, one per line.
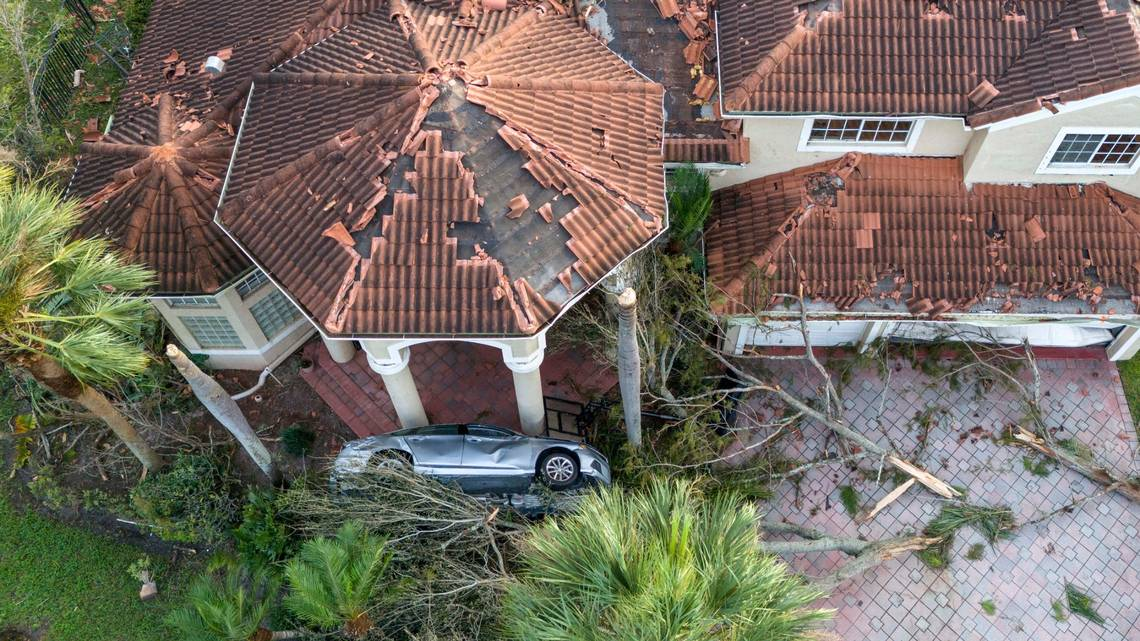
<point x="910" y="225"/>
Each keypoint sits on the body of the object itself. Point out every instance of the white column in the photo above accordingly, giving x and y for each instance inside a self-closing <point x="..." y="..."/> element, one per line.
<point x="1125" y="345"/>
<point x="524" y="359"/>
<point x="872" y="331"/>
<point x="342" y="351"/>
<point x="401" y="387"/>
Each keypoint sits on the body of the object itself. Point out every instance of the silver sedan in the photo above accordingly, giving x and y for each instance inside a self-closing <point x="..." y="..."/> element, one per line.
<point x="478" y="456"/>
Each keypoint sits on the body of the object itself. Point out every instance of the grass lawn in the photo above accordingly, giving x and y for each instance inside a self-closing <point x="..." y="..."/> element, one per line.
<point x="1130" y="379"/>
<point x="71" y="585"/>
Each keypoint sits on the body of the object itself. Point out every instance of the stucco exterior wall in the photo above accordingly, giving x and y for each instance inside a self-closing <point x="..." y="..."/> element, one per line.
<point x="774" y="146"/>
<point x="256" y="352"/>
<point x="1013" y="155"/>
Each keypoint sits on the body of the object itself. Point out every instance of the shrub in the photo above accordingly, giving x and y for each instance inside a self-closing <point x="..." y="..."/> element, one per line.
<point x="297" y="440"/>
<point x="261" y="539"/>
<point x="193" y="501"/>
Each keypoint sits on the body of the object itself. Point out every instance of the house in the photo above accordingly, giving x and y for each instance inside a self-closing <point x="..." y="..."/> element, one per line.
<point x="924" y="169"/>
<point x="383" y="173"/>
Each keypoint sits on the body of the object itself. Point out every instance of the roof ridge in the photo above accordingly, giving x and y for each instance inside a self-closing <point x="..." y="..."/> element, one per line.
<point x="1031" y="45"/>
<point x="566" y="84"/>
<point x="763" y="258"/>
<point x="399" y="12"/>
<point x="332" y="78"/>
<point x="768" y="63"/>
<point x="473" y="57"/>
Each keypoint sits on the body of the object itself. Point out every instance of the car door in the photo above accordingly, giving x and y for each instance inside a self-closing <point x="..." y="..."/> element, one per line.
<point x="494" y="451"/>
<point x="437" y="449"/>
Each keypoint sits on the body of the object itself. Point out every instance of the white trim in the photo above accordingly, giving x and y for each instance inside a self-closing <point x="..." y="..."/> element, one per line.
<point x="805" y="144"/>
<point x="1088" y="169"/>
<point x="1063" y="107"/>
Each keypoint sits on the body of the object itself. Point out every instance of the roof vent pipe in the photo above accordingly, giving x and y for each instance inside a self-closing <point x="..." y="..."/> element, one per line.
<point x="215" y="65"/>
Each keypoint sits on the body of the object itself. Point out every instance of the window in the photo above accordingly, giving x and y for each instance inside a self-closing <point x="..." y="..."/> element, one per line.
<point x="211" y="331"/>
<point x="855" y="132"/>
<point x="193" y="301"/>
<point x="1091" y="151"/>
<point x="274" y="313"/>
<point x="251" y="283"/>
<point x="486" y="431"/>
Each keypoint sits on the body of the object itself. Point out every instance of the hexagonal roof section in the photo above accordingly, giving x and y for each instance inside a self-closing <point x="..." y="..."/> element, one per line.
<point x="434" y="172"/>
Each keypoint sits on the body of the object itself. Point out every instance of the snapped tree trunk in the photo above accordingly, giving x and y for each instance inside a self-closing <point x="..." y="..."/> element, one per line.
<point x="629" y="365"/>
<point x="215" y="399"/>
<point x="49" y="373"/>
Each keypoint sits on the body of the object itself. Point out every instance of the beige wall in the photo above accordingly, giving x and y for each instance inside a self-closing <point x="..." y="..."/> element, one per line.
<point x="774" y="146"/>
<point x="257" y="352"/>
<point x="1013" y="155"/>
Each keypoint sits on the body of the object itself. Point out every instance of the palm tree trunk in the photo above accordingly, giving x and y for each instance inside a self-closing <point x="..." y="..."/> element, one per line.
<point x="629" y="365"/>
<point x="49" y="373"/>
<point x="215" y="399"/>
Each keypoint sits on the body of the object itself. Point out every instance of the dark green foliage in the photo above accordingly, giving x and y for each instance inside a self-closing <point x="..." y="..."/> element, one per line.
<point x="297" y="440"/>
<point x="976" y="552"/>
<point x="1037" y="467"/>
<point x="135" y="14"/>
<point x="992" y="522"/>
<point x="1081" y="604"/>
<point x="1076" y="448"/>
<point x="663" y="563"/>
<point x="261" y="538"/>
<point x="849" y="497"/>
<point x="690" y="200"/>
<point x="227" y="604"/>
<point x="988" y="607"/>
<point x="192" y="501"/>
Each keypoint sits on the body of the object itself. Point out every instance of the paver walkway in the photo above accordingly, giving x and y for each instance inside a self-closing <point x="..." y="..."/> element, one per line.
<point x="1096" y="547"/>
<point x="458" y="382"/>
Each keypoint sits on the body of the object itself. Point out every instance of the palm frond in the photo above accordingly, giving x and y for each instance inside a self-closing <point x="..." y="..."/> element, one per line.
<point x="665" y="563"/>
<point x="228" y="604"/>
<point x="97" y="355"/>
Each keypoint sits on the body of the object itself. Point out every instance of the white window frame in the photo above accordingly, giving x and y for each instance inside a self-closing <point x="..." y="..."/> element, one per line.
<point x="1091" y="170"/>
<point x="806" y="144"/>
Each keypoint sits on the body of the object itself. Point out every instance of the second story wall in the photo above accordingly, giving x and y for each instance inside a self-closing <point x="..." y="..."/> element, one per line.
<point x="782" y="143"/>
<point x="1062" y="148"/>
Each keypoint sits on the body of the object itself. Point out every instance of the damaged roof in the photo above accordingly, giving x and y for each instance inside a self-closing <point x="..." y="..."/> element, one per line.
<point x="503" y="160"/>
<point x="986" y="60"/>
<point x="888" y="230"/>
<point x="674" y="44"/>
<point x="437" y="173"/>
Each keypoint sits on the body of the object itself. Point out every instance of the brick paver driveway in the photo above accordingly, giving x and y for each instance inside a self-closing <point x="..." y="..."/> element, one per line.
<point x="1096" y="547"/>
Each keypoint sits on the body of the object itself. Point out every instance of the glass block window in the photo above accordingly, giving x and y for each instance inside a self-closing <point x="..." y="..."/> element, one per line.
<point x="251" y="283"/>
<point x="1104" y="150"/>
<point x="860" y="131"/>
<point x="274" y="313"/>
<point x="193" y="301"/>
<point x="212" y="331"/>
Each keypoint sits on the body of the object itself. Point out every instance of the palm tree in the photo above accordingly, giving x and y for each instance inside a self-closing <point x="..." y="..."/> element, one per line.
<point x="334" y="582"/>
<point x="629" y="365"/>
<point x="228" y="603"/>
<point x="68" y="315"/>
<point x="666" y="564"/>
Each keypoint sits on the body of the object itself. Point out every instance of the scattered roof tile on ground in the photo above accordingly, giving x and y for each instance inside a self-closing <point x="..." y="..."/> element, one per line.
<point x="885" y="228"/>
<point x="918" y="57"/>
<point x="470" y="197"/>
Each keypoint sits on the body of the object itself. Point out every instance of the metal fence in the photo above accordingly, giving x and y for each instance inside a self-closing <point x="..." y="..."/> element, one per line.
<point x="68" y="46"/>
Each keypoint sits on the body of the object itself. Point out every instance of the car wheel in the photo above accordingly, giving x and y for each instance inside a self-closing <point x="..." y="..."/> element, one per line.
<point x="558" y="469"/>
<point x="390" y="460"/>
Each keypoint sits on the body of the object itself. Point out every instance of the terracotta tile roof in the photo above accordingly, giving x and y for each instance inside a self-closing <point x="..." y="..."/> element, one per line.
<point x="652" y="37"/>
<point x="158" y="205"/>
<point x="448" y="202"/>
<point x="134" y="199"/>
<point x="902" y="57"/>
<point x="882" y="228"/>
